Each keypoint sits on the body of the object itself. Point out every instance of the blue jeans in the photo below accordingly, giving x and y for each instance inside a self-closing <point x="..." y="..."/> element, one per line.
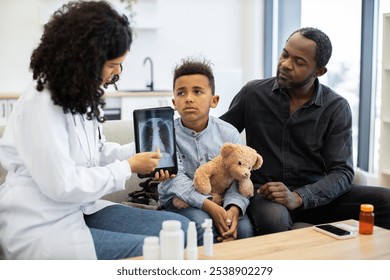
<point x="270" y="217"/>
<point x="244" y="230"/>
<point x="118" y="231"/>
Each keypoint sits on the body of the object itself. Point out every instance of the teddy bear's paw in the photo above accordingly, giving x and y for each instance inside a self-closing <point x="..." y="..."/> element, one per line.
<point x="204" y="188"/>
<point x="217" y="198"/>
<point x="247" y="192"/>
<point x="179" y="204"/>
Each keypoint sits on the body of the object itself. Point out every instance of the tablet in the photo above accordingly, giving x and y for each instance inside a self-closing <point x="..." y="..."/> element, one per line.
<point x="154" y="128"/>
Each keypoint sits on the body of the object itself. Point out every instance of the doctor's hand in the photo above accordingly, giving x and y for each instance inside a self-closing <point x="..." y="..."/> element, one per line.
<point x="144" y="163"/>
<point x="279" y="193"/>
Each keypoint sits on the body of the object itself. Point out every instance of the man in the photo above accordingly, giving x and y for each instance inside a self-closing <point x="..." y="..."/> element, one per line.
<point x="303" y="131"/>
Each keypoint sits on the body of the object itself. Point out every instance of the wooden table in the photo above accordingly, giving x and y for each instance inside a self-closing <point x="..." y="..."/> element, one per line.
<point x="305" y="244"/>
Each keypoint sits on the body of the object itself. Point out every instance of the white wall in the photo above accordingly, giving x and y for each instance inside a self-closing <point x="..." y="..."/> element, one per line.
<point x="228" y="32"/>
<point x="19" y="33"/>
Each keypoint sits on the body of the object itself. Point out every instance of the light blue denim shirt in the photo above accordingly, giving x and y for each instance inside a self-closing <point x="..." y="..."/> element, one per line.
<point x="193" y="150"/>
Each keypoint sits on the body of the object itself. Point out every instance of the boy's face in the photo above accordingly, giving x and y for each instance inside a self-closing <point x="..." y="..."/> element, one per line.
<point x="193" y="100"/>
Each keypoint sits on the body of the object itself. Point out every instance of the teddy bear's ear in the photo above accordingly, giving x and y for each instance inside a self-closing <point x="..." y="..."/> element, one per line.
<point x="258" y="163"/>
<point x="226" y="149"/>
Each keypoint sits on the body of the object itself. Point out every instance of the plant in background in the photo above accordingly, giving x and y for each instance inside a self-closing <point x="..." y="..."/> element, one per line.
<point x="129" y="7"/>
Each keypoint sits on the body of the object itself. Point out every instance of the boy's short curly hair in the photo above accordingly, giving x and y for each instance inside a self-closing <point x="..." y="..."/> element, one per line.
<point x="76" y="42"/>
<point x="193" y="66"/>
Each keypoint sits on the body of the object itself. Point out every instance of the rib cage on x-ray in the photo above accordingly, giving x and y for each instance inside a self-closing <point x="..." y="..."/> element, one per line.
<point x="157" y="133"/>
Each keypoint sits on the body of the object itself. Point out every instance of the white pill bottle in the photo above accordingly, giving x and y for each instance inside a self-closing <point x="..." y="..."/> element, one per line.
<point x="171" y="241"/>
<point x="151" y="248"/>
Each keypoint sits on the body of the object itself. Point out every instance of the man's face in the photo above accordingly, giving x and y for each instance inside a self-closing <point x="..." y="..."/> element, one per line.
<point x="297" y="65"/>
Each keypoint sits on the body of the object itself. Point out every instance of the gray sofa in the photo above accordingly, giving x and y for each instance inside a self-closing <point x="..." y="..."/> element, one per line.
<point x="121" y="131"/>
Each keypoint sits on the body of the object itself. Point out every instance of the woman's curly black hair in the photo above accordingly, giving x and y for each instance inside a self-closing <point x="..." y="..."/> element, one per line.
<point x="76" y="42"/>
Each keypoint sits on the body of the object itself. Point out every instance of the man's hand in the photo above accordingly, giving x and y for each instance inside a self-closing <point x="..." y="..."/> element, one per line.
<point x="279" y="193"/>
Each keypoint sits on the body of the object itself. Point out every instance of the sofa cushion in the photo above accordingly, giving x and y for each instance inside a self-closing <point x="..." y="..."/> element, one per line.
<point x="118" y="131"/>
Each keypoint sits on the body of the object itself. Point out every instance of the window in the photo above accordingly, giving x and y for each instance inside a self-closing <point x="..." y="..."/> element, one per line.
<point x="384" y="7"/>
<point x="344" y="30"/>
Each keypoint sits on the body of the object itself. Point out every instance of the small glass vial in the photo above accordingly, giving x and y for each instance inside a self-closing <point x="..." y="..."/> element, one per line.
<point x="366" y="219"/>
<point x="151" y="248"/>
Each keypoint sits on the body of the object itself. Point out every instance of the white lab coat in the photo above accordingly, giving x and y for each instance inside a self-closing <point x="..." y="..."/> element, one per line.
<point x="48" y="187"/>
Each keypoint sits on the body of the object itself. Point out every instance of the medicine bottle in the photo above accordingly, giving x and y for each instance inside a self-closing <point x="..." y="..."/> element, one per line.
<point x="151" y="248"/>
<point x="208" y="237"/>
<point x="171" y="241"/>
<point x="366" y="219"/>
<point x="192" y="243"/>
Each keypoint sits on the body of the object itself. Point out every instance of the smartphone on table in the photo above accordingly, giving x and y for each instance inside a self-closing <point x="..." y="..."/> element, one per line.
<point x="338" y="231"/>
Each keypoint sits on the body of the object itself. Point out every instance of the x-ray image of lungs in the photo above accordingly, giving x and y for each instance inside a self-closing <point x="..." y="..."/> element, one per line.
<point x="158" y="133"/>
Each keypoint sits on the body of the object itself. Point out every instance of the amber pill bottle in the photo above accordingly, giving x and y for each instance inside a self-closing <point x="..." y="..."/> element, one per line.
<point x="366" y="219"/>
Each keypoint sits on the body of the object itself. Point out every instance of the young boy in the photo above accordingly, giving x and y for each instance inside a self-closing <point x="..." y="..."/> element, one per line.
<point x="199" y="139"/>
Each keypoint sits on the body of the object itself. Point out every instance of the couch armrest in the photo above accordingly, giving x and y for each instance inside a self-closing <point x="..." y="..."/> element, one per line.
<point x="360" y="178"/>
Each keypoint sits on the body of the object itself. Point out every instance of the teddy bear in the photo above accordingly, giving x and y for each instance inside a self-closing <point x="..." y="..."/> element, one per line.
<point x="234" y="162"/>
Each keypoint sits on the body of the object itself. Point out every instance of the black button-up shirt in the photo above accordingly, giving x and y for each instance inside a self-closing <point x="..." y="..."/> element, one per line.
<point x="309" y="151"/>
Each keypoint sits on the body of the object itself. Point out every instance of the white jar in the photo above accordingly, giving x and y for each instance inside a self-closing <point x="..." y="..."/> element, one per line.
<point x="171" y="241"/>
<point x="151" y="248"/>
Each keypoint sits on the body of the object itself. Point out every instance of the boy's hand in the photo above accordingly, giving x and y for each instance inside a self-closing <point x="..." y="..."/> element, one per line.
<point x="144" y="163"/>
<point x="162" y="175"/>
<point x="218" y="215"/>
<point x="232" y="222"/>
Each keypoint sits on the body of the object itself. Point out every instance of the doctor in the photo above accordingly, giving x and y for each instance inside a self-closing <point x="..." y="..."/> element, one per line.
<point x="58" y="164"/>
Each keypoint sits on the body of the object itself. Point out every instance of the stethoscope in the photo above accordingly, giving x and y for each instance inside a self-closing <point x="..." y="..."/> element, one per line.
<point x="89" y="153"/>
<point x="101" y="140"/>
